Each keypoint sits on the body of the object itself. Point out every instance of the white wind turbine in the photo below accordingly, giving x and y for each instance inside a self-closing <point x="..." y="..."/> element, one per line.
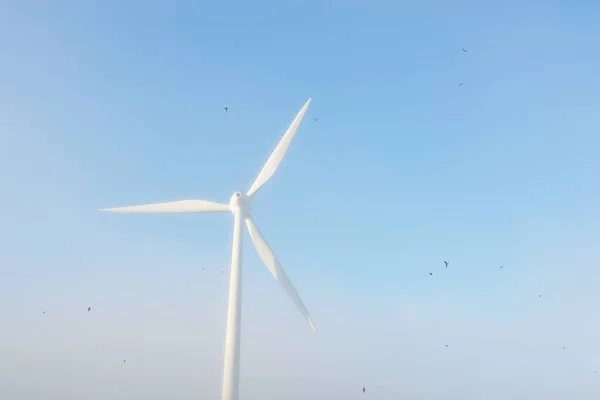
<point x="239" y="205"/>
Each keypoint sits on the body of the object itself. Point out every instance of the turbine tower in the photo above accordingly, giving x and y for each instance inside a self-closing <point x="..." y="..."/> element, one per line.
<point x="240" y="206"/>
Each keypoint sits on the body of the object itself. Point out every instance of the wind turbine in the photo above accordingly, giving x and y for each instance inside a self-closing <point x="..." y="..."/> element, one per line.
<point x="240" y="206"/>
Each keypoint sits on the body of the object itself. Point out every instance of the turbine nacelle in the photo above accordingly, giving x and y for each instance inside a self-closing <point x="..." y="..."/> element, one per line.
<point x="239" y="202"/>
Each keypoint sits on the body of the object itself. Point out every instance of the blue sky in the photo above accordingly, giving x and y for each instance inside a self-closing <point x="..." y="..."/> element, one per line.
<point x="121" y="104"/>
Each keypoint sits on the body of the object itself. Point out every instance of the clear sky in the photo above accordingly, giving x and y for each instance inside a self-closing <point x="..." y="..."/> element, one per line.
<point x="121" y="102"/>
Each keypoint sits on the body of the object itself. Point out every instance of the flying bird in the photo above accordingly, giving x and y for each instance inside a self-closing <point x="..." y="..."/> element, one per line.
<point x="89" y="309"/>
<point x="464" y="50"/>
<point x="431" y="273"/>
<point x="446" y="262"/>
<point x="460" y="84"/>
<point x="226" y="108"/>
<point x="315" y="120"/>
<point x="44" y="312"/>
<point x="540" y="296"/>
<point x="502" y="266"/>
<point x="364" y="389"/>
<point x="446" y="345"/>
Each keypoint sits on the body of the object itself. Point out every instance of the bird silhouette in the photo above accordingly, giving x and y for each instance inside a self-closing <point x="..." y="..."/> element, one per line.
<point x="502" y="266"/>
<point x="44" y="312"/>
<point x="446" y="262"/>
<point x="89" y="309"/>
<point x="464" y="50"/>
<point x="460" y="84"/>
<point x="446" y="345"/>
<point x="364" y="389"/>
<point x="431" y="273"/>
<point x="226" y="108"/>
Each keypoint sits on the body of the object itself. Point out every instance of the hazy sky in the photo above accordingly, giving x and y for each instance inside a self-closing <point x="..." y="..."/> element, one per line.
<point x="117" y="103"/>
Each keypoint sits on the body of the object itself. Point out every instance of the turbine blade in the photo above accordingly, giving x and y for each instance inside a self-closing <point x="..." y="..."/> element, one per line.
<point x="273" y="162"/>
<point x="268" y="257"/>
<point x="183" y="206"/>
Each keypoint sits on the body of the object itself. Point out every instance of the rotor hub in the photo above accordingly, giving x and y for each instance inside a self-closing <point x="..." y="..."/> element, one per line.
<point x="239" y="202"/>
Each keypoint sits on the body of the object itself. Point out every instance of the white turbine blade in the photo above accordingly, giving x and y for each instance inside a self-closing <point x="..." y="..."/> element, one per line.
<point x="183" y="206"/>
<point x="268" y="257"/>
<point x="273" y="162"/>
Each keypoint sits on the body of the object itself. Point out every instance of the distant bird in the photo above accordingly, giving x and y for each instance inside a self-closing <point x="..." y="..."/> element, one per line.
<point x="464" y="50"/>
<point x="540" y="296"/>
<point x="202" y="269"/>
<point x="315" y="120"/>
<point x="431" y="273"/>
<point x="221" y="271"/>
<point x="460" y="84"/>
<point x="564" y="347"/>
<point x="364" y="389"/>
<point x="226" y="108"/>
<point x="44" y="312"/>
<point x="502" y="266"/>
<point x="89" y="309"/>
<point x="446" y="345"/>
<point x="124" y="360"/>
<point x="446" y="262"/>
